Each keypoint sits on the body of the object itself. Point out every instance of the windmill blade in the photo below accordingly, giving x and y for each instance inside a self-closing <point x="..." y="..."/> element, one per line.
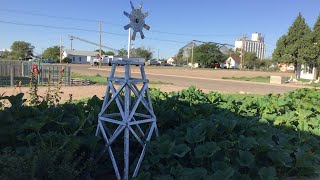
<point x="126" y="14"/>
<point x="146" y="26"/>
<point x="133" y="37"/>
<point x="126" y="27"/>
<point x="142" y="35"/>
<point x="146" y="14"/>
<point x="132" y="7"/>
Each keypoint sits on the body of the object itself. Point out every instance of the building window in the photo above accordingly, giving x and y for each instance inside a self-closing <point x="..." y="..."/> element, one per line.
<point x="80" y="59"/>
<point x="73" y="59"/>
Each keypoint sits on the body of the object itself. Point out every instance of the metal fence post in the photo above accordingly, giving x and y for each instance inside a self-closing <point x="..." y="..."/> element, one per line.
<point x="69" y="75"/>
<point x="11" y="75"/>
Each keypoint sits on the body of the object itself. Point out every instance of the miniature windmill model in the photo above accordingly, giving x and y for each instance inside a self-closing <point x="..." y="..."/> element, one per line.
<point x="128" y="109"/>
<point x="137" y="22"/>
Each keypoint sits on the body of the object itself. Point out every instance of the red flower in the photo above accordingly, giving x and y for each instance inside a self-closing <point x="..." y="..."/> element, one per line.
<point x="62" y="70"/>
<point x="35" y="69"/>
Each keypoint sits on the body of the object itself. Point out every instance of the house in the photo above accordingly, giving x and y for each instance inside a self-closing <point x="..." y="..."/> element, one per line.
<point x="233" y="62"/>
<point x="286" y="67"/>
<point x="80" y="57"/>
<point x="171" y="60"/>
<point x="306" y="71"/>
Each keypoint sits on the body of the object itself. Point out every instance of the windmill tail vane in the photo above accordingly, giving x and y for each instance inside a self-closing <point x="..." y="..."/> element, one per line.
<point x="137" y="21"/>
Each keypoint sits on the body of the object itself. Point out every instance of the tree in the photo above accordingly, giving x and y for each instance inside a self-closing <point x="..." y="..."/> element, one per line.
<point x="5" y="54"/>
<point x="67" y="60"/>
<point x="290" y="47"/>
<point x="102" y="51"/>
<point x="21" y="50"/>
<point x="250" y="60"/>
<point x="109" y="53"/>
<point x="142" y="52"/>
<point x="52" y="53"/>
<point x="279" y="52"/>
<point x="207" y="53"/>
<point x="122" y="52"/>
<point x="311" y="53"/>
<point x="179" y="57"/>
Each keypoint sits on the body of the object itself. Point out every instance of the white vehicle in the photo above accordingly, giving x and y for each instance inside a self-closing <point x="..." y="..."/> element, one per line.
<point x="106" y="60"/>
<point x="124" y="58"/>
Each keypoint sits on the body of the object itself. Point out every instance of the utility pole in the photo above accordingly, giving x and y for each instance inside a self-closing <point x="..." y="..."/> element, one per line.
<point x="71" y="39"/>
<point x="60" y="49"/>
<point x="100" y="55"/>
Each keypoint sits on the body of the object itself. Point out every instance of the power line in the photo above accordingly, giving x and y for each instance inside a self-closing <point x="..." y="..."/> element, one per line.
<point x="115" y="24"/>
<point x="58" y="27"/>
<point x="80" y="29"/>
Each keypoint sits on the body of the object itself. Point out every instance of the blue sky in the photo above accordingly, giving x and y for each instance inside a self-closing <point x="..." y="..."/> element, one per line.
<point x="205" y="20"/>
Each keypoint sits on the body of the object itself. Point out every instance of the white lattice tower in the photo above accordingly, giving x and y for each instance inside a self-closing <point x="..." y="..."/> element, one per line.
<point x="127" y="119"/>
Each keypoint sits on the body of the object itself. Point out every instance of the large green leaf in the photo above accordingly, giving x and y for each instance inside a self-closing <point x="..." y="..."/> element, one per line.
<point x="196" y="134"/>
<point x="222" y="174"/>
<point x="206" y="150"/>
<point x="180" y="150"/>
<point x="268" y="173"/>
<point x="246" y="143"/>
<point x="192" y="173"/>
<point x="245" y="158"/>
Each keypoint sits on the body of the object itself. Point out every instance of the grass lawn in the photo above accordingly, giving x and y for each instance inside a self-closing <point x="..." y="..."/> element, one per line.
<point x="98" y="79"/>
<point x="265" y="79"/>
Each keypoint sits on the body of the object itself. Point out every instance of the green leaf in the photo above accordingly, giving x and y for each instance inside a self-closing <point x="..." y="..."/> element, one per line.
<point x="246" y="143"/>
<point x="180" y="150"/>
<point x="245" y="158"/>
<point x="280" y="157"/>
<point x="164" y="177"/>
<point x="206" y="150"/>
<point x="224" y="174"/>
<point x="196" y="134"/>
<point x="165" y="148"/>
<point x="193" y="173"/>
<point x="268" y="173"/>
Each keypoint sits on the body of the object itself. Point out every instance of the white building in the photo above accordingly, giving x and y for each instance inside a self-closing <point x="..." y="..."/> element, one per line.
<point x="256" y="45"/>
<point x="80" y="57"/>
<point x="233" y="62"/>
<point x="306" y="71"/>
<point x="170" y="60"/>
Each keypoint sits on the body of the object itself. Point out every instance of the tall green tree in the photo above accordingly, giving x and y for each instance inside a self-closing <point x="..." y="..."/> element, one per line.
<point x="52" y="53"/>
<point x="122" y="52"/>
<point x="102" y="51"/>
<point x="21" y="50"/>
<point x="280" y="50"/>
<point x="290" y="48"/>
<point x="179" y="57"/>
<point x="207" y="53"/>
<point x="316" y="46"/>
<point x="141" y="52"/>
<point x="109" y="53"/>
<point x="250" y="60"/>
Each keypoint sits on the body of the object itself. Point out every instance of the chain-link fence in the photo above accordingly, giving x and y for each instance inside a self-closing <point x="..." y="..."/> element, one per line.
<point x="18" y="73"/>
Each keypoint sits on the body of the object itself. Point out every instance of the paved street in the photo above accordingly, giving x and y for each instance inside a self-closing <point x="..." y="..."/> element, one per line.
<point x="205" y="79"/>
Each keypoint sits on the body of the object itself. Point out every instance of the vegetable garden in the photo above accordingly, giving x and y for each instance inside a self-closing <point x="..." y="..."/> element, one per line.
<point x="202" y="136"/>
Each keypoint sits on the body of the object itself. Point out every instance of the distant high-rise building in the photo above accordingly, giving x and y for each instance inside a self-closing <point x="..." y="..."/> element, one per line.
<point x="256" y="45"/>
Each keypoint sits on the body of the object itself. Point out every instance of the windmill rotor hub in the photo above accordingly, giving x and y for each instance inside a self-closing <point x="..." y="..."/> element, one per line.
<point x="137" y="21"/>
